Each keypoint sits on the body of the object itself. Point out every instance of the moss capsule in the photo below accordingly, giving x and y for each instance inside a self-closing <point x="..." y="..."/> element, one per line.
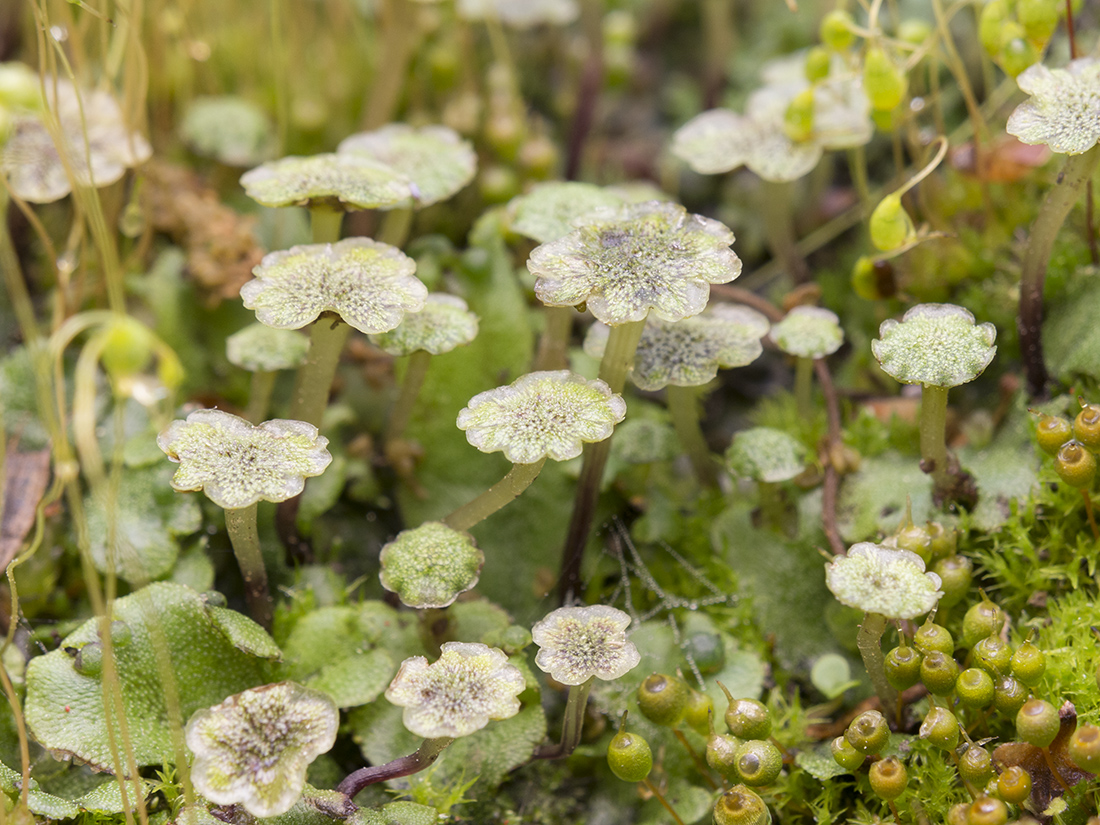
<point x="888" y="778"/>
<point x="1086" y="427"/>
<point x="1037" y="723"/>
<point x="1029" y="663"/>
<point x="1014" y="785"/>
<point x="758" y="762"/>
<point x="902" y="667"/>
<point x="663" y="700"/>
<point x="1009" y="696"/>
<point x="1075" y="465"/>
<point x="982" y="619"/>
<point x="817" y="64"/>
<point x="931" y="636"/>
<point x="1084" y="748"/>
<point x="798" y="120"/>
<point x="836" y="30"/>
<point x="974" y="688"/>
<point x="1039" y="18"/>
<point x="1052" y="432"/>
<point x="938" y="672"/>
<point x="986" y="810"/>
<point x="993" y="654"/>
<point x="1016" y="55"/>
<point x="699" y="710"/>
<point x="941" y="728"/>
<point x="943" y="541"/>
<point x="628" y="755"/>
<point x="956" y="575"/>
<point x="747" y="718"/>
<point x="886" y="86"/>
<point x="722" y="754"/>
<point x="741" y="806"/>
<point x="991" y="24"/>
<point x="868" y="733"/>
<point x="916" y="539"/>
<point x="891" y="227"/>
<point x="976" y="766"/>
<point x="845" y="755"/>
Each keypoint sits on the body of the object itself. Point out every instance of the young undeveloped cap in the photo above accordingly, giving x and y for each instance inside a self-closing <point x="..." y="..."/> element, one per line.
<point x="370" y="285"/>
<point x="542" y="414"/>
<point x="229" y="129"/>
<point x="689" y="353"/>
<point x="881" y="580"/>
<point x="338" y="181"/>
<point x="430" y="565"/>
<point x="808" y="332"/>
<point x="98" y="147"/>
<point x="237" y="464"/>
<point x="434" y="158"/>
<point x="260" y="348"/>
<point x="458" y="694"/>
<point x="1063" y="111"/>
<point x="254" y="748"/>
<point x="577" y="643"/>
<point x="935" y="344"/>
<point x="443" y="324"/>
<point x="641" y="257"/>
<point x="547" y="212"/>
<point x="766" y="454"/>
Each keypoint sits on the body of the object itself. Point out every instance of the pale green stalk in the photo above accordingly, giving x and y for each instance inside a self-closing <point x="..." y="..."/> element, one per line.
<point x="803" y="382"/>
<point x="933" y="436"/>
<point x="241" y="525"/>
<point x="505" y="491"/>
<point x="415" y="373"/>
<point x="259" y="395"/>
<point x="684" y="408"/>
<point x="553" y="352"/>
<point x="869" y="642"/>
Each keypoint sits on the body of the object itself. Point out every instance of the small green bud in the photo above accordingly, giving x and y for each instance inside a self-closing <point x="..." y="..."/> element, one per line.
<point x="722" y="754"/>
<point x="993" y="654"/>
<point x="943" y="541"/>
<point x="747" y="718"/>
<point x="845" y="755"/>
<point x="1037" y="723"/>
<point x="817" y="63"/>
<point x="628" y="755"/>
<point x="990" y="25"/>
<point x="885" y="85"/>
<point x="902" y="667"/>
<point x="128" y="347"/>
<point x="1014" y="785"/>
<point x="758" y="762"/>
<point x="981" y="620"/>
<point x="798" y="120"/>
<point x="1029" y="663"/>
<point x="1039" y="18"/>
<point x="740" y="806"/>
<point x="891" y="227"/>
<point x="121" y="635"/>
<point x="663" y="700"/>
<point x="1084" y="748"/>
<point x="931" y="636"/>
<point x="987" y="811"/>
<point x="916" y="539"/>
<point x="941" y="728"/>
<point x="868" y="733"/>
<point x="1009" y="696"/>
<point x="914" y="31"/>
<point x="938" y="672"/>
<point x="1052" y="432"/>
<point x="1016" y="55"/>
<point x="974" y="688"/>
<point x="956" y="575"/>
<point x="700" y="707"/>
<point x="888" y="778"/>
<point x="976" y="766"/>
<point x="1086" y="427"/>
<point x="836" y="30"/>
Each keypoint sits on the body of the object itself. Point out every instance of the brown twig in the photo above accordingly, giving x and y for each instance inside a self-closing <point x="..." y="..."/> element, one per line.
<point x="750" y="299"/>
<point x="831" y="487"/>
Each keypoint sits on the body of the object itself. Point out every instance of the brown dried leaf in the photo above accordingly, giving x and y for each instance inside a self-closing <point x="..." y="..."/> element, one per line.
<point x="25" y="478"/>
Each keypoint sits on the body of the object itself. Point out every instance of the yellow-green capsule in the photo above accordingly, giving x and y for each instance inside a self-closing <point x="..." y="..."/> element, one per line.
<point x="628" y="755"/>
<point x="885" y="84"/>
<point x="891" y="227"/>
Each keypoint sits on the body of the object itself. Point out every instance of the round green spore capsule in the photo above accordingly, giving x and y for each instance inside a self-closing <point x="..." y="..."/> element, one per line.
<point x="1028" y="664"/>
<point x="868" y="733"/>
<point x="1075" y="465"/>
<point x="1084" y="748"/>
<point x="902" y="667"/>
<point x="1052" y="432"/>
<point x="931" y="636"/>
<point x="748" y="719"/>
<point x="1086" y="427"/>
<point x="758" y="762"/>
<point x="1014" y="785"/>
<point x="629" y="757"/>
<point x="740" y="806"/>
<point x="888" y="778"/>
<point x="1037" y="723"/>
<point x="663" y="700"/>
<point x="981" y="620"/>
<point x="941" y="728"/>
<point x="974" y="688"/>
<point x="938" y="672"/>
<point x="845" y="755"/>
<point x="976" y="766"/>
<point x="993" y="654"/>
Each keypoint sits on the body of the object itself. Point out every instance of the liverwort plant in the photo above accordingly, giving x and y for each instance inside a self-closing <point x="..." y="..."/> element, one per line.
<point x="622" y="264"/>
<point x="938" y="346"/>
<point x="538" y="416"/>
<point x="1063" y="113"/>
<point x="885" y="584"/>
<point x="458" y="694"/>
<point x="578" y="645"/>
<point x="769" y="457"/>
<point x="807" y="333"/>
<point x="238" y="465"/>
<point x="683" y="356"/>
<point x="254" y="748"/>
<point x="430" y="565"/>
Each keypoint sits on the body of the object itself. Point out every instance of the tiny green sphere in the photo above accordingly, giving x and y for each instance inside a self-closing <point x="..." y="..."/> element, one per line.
<point x="836" y="30"/>
<point x="915" y="539"/>
<point x="748" y="719"/>
<point x="974" y="688"/>
<point x="740" y="806"/>
<point x="722" y="754"/>
<point x="121" y="635"/>
<point x="1014" y="785"/>
<point x="629" y="757"/>
<point x="89" y="659"/>
<point x="699" y="710"/>
<point x="817" y="64"/>
<point x="1084" y="748"/>
<point x="1037" y="723"/>
<point x="914" y="31"/>
<point x="1052" y="432"/>
<point x="987" y="811"/>
<point x="798" y="120"/>
<point x="982" y="619"/>
<point x="1009" y="695"/>
<point x="958" y="814"/>
<point x="663" y="700"/>
<point x="956" y="575"/>
<point x="941" y="728"/>
<point x="1075" y="465"/>
<point x="938" y="672"/>
<point x="993" y="654"/>
<point x="1086" y="427"/>
<point x="845" y="755"/>
<point x="1029" y="663"/>
<point x="976" y="766"/>
<point x="931" y="636"/>
<point x="127" y="347"/>
<point x="868" y="733"/>
<point x="758" y="762"/>
<point x="888" y="778"/>
<point x="890" y="226"/>
<point x="902" y="667"/>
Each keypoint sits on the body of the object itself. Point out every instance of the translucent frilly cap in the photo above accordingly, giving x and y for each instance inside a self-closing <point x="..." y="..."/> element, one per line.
<point x="521" y="14"/>
<point x="577" y="643"/>
<point x="443" y="324"/>
<point x="340" y="181"/>
<point x="690" y="352"/>
<point x="766" y="454"/>
<point x="547" y="212"/>
<point x="1063" y="111"/>
<point x="938" y="345"/>
<point x="435" y="159"/>
<point x="542" y="415"/>
<point x="430" y="565"/>
<point x="458" y="694"/>
<point x="237" y="464"/>
<point x="808" y="332"/>
<point x="228" y="129"/>
<point x="370" y="285"/>
<point x="98" y="146"/>
<point x="641" y="257"/>
<point x="260" y="348"/>
<point x="254" y="748"/>
<point x="881" y="580"/>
